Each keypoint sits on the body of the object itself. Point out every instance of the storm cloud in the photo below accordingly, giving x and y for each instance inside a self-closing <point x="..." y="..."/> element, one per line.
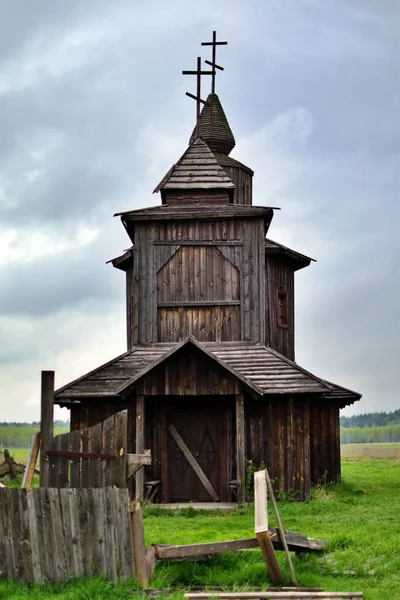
<point x="93" y="113"/>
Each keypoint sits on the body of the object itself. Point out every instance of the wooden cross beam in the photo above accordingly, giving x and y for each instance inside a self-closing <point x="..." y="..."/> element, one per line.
<point x="198" y="99"/>
<point x="213" y="63"/>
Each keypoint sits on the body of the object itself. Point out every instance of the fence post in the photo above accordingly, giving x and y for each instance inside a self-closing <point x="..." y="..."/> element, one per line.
<point x="46" y="424"/>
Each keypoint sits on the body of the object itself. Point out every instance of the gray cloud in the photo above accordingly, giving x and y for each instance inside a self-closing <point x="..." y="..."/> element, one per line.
<point x="93" y="113"/>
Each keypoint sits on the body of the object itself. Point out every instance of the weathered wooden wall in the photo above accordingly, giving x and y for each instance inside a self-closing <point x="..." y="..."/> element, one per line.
<point x="325" y="441"/>
<point x="243" y="180"/>
<point x="278" y="433"/>
<point x="279" y="274"/>
<point x="180" y="273"/>
<point x="55" y="534"/>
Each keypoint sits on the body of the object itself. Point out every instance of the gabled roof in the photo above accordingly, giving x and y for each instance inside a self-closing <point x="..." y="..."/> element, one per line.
<point x="197" y="169"/>
<point x="300" y="260"/>
<point x="262" y="370"/>
<point x="214" y="128"/>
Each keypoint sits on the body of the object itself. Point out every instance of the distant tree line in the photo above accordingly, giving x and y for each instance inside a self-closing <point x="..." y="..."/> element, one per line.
<point x="377" y="419"/>
<point x="19" y="435"/>
<point x="370" y="435"/>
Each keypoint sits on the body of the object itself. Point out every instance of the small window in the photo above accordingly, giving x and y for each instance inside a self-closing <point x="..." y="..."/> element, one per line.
<point x="282" y="308"/>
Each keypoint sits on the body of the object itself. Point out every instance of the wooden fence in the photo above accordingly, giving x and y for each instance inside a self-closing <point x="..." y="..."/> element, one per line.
<point x="54" y="534"/>
<point x="90" y="458"/>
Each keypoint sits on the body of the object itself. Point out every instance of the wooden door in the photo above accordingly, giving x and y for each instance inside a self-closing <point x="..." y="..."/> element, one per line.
<point x="203" y="433"/>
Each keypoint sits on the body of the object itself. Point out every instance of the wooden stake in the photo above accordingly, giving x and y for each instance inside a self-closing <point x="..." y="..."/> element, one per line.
<point x="261" y="529"/>
<point x="139" y="550"/>
<point x="282" y="535"/>
<point x="46" y="424"/>
<point x="31" y="464"/>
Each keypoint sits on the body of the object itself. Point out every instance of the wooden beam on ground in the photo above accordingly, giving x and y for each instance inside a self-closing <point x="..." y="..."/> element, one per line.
<point x="282" y="536"/>
<point x="139" y="549"/>
<point x="134" y="462"/>
<point x="46" y="424"/>
<point x="31" y="464"/>
<point x="240" y="453"/>
<point x="139" y="446"/>
<point x="193" y="463"/>
<point x="296" y="543"/>
<point x="261" y="528"/>
<point x="287" y="595"/>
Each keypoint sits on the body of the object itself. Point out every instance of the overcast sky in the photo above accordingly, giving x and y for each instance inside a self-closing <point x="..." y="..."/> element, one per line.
<point x="93" y="113"/>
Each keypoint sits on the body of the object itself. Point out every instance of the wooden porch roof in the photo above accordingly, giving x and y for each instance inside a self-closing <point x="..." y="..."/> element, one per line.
<point x="262" y="370"/>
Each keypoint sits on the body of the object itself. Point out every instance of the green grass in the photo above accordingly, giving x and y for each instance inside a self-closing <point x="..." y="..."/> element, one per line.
<point x="359" y="518"/>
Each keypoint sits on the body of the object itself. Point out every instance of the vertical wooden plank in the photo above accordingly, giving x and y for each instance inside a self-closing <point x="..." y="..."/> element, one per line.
<point x="46" y="423"/>
<point x="107" y="448"/>
<point x="96" y="464"/>
<point x="84" y="527"/>
<point x="120" y="447"/>
<point x="109" y="546"/>
<point x="140" y="416"/>
<point x="42" y="516"/>
<point x="240" y="451"/>
<point x="54" y="463"/>
<point x="75" y="464"/>
<point x="86" y="462"/>
<point x="34" y="537"/>
<point x="25" y="569"/>
<point x="123" y="533"/>
<point x="55" y="536"/>
<point x="70" y="497"/>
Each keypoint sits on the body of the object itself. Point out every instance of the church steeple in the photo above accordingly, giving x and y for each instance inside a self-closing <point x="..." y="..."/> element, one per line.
<point x="214" y="128"/>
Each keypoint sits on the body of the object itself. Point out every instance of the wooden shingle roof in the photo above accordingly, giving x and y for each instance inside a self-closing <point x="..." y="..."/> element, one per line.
<point x="197" y="169"/>
<point x="299" y="260"/>
<point x="263" y="370"/>
<point x="214" y="128"/>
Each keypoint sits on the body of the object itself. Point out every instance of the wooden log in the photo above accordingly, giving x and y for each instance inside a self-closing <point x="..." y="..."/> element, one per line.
<point x="240" y="453"/>
<point x="193" y="463"/>
<point x="267" y="595"/>
<point x="139" y="445"/>
<point x="46" y="424"/>
<point x="282" y="536"/>
<point x="32" y="458"/>
<point x="261" y="528"/>
<point x="139" y="550"/>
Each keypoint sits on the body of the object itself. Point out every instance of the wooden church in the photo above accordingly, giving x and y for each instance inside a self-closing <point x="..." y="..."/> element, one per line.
<point x="209" y="378"/>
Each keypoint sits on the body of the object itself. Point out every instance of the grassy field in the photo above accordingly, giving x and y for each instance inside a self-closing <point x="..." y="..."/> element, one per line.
<point x="359" y="518"/>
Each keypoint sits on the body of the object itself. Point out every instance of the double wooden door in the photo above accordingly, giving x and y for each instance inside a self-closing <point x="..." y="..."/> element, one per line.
<point x="204" y="433"/>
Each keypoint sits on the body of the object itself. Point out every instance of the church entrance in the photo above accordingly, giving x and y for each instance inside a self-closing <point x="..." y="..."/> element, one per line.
<point x="197" y="433"/>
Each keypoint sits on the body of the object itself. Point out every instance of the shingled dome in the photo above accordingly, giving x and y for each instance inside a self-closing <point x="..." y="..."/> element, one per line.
<point x="214" y="128"/>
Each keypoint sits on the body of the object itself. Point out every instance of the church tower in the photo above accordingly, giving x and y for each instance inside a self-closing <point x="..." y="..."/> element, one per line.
<point x="210" y="333"/>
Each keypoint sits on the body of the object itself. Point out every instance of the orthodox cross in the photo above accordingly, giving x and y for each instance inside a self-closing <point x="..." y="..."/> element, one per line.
<point x="213" y="64"/>
<point x="198" y="99"/>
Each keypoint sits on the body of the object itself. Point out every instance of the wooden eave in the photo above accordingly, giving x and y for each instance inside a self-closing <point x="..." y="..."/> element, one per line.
<point x="124" y="261"/>
<point x="343" y="396"/>
<point x="179" y="213"/>
<point x="298" y="260"/>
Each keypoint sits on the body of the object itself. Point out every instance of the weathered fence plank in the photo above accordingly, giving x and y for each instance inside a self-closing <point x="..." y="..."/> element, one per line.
<point x="91" y="458"/>
<point x="56" y="534"/>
